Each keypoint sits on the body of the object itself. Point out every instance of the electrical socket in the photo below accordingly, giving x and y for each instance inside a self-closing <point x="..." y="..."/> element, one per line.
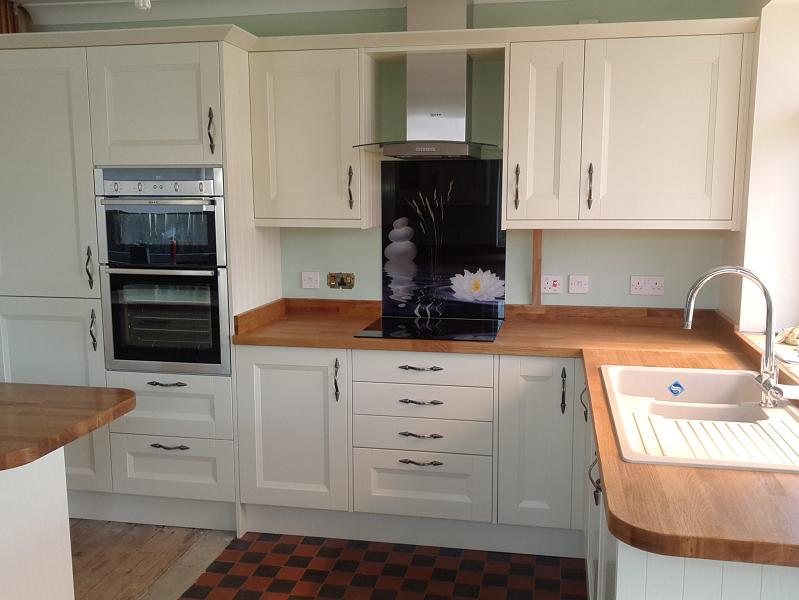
<point x="647" y="285"/>
<point x="344" y="281"/>
<point x="579" y="284"/>
<point x="310" y="280"/>
<point x="552" y="284"/>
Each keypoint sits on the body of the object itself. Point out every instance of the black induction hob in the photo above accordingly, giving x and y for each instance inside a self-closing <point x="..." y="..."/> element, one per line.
<point x="466" y="330"/>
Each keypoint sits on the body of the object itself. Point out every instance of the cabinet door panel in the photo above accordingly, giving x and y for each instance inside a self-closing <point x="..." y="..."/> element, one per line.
<point x="535" y="441"/>
<point x="48" y="341"/>
<point x="47" y="204"/>
<point x="292" y="428"/>
<point x="150" y="104"/>
<point x="304" y="125"/>
<point x="659" y="127"/>
<point x="546" y="93"/>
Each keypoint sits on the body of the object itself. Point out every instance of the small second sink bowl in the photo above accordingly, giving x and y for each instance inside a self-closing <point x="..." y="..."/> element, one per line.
<point x="700" y="417"/>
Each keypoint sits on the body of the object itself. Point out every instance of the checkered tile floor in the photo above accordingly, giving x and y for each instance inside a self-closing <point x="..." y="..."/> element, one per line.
<point x="269" y="566"/>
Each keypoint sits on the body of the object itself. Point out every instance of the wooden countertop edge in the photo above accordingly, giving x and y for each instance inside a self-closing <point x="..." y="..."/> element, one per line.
<point x="23" y="456"/>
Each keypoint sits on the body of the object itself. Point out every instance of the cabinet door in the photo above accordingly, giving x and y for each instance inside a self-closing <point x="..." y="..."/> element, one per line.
<point x="536" y="411"/>
<point x="579" y="452"/>
<point x="659" y="127"/>
<point x="304" y="125"/>
<point x="49" y="341"/>
<point x="48" y="237"/>
<point x="593" y="508"/>
<point x="155" y="104"/>
<point x="293" y="444"/>
<point x="546" y="94"/>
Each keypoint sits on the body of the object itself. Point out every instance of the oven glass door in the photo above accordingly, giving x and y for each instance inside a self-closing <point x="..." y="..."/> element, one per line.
<point x="161" y="233"/>
<point x="160" y="319"/>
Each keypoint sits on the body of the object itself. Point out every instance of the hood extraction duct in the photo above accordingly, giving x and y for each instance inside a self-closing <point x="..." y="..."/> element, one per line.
<point x="437" y="91"/>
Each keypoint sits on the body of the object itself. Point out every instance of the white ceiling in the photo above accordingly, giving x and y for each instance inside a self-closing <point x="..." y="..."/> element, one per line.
<point x="60" y="12"/>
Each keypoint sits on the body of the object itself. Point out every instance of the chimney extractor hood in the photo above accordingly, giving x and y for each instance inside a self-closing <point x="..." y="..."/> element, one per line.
<point x="438" y="93"/>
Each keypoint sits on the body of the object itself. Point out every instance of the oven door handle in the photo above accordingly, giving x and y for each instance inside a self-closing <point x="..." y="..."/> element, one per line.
<point x="178" y="272"/>
<point x="155" y="201"/>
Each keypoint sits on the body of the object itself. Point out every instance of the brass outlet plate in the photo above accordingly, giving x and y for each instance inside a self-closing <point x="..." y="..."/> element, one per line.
<point x="343" y="281"/>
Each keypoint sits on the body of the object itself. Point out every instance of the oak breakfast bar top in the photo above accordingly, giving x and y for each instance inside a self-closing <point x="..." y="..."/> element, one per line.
<point x="37" y="419"/>
<point x="720" y="514"/>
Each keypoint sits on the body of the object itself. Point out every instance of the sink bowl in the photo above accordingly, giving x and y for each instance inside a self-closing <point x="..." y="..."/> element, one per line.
<point x="700" y="417"/>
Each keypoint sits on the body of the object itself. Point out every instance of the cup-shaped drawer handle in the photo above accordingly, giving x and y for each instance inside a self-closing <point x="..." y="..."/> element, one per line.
<point x="162" y="447"/>
<point x="429" y="463"/>
<point x="421" y="436"/>
<point x="167" y="385"/>
<point x="420" y="402"/>
<point x="412" y="368"/>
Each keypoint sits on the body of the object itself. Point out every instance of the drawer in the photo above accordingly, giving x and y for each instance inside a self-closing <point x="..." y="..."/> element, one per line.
<point x="429" y="401"/>
<point x="473" y="370"/>
<point x="463" y="437"/>
<point x="455" y="486"/>
<point x="178" y="405"/>
<point x="172" y="467"/>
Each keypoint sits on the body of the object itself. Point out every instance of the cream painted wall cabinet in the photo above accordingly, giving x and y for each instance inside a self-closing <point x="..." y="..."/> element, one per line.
<point x="48" y="237"/>
<point x="292" y="426"/>
<point x="659" y="133"/>
<point x="305" y="122"/>
<point x="156" y="104"/>
<point x="52" y="341"/>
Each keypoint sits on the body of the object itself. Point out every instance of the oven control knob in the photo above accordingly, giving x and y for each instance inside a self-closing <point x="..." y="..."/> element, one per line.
<point x="201" y="187"/>
<point x="116" y="186"/>
<point x="139" y="186"/>
<point x="177" y="187"/>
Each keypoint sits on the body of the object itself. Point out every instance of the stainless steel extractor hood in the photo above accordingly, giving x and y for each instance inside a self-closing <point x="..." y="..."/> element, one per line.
<point x="438" y="91"/>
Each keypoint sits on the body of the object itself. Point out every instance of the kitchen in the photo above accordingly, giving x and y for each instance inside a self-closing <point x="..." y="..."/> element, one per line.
<point x="244" y="235"/>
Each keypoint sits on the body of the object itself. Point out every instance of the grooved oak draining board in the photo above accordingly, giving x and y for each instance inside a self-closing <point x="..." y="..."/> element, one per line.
<point x="37" y="419"/>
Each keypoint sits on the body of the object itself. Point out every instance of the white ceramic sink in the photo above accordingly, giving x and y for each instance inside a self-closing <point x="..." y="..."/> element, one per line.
<point x="700" y="417"/>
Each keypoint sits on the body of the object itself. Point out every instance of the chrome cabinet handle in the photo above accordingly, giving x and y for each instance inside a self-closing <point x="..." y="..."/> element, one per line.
<point x="420" y="402"/>
<point x="563" y="391"/>
<point x="421" y="436"/>
<point x="585" y="407"/>
<point x="211" y="143"/>
<point x="412" y="368"/>
<point x="167" y="385"/>
<point x="516" y="193"/>
<point x="429" y="463"/>
<point x="590" y="185"/>
<point x="349" y="186"/>
<point x="88" y="267"/>
<point x="336" y="392"/>
<point x="92" y="329"/>
<point x="162" y="447"/>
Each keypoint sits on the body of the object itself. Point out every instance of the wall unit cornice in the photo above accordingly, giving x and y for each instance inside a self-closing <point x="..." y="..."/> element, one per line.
<point x="500" y="35"/>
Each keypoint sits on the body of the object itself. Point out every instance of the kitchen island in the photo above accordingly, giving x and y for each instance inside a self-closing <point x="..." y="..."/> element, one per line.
<point x="36" y="422"/>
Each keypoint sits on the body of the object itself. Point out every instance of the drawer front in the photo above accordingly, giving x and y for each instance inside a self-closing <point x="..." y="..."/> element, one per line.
<point x="429" y="401"/>
<point x="473" y="370"/>
<point x="192" y="468"/>
<point x="437" y="435"/>
<point x="457" y="488"/>
<point x="177" y="405"/>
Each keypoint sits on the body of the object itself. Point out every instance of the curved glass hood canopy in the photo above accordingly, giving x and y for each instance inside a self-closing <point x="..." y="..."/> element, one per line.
<point x="438" y="90"/>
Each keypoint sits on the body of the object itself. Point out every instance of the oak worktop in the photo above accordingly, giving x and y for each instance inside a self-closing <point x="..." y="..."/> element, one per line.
<point x="721" y="514"/>
<point x="37" y="419"/>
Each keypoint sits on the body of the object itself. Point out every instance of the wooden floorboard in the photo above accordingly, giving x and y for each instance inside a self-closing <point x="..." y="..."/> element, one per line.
<point x="124" y="561"/>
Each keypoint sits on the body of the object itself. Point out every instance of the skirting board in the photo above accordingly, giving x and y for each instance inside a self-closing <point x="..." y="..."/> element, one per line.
<point x="148" y="510"/>
<point x="411" y="530"/>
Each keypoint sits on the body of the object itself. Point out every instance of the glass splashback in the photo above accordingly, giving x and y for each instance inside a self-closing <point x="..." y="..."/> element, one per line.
<point x="443" y="246"/>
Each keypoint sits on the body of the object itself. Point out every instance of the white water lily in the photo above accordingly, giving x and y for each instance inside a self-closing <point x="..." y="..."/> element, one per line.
<point x="481" y="286"/>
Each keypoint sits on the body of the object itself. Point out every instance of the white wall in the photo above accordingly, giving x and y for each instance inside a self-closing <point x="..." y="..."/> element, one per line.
<point x="771" y="246"/>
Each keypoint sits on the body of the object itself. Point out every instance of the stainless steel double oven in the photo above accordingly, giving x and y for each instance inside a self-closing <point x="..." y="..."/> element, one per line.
<point x="163" y="269"/>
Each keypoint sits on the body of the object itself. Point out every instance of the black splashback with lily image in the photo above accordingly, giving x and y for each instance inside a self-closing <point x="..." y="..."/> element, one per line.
<point x="443" y="247"/>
